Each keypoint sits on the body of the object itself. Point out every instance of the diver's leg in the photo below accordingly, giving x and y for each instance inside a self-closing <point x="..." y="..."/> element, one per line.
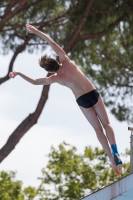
<point x="91" y="116"/>
<point x="102" y="115"/>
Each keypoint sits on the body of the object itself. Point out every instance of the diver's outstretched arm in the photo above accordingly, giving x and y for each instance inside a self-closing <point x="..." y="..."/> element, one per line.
<point x="40" y="81"/>
<point x="58" y="50"/>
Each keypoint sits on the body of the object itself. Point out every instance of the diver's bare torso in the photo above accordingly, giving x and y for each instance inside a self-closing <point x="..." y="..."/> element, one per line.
<point x="72" y="77"/>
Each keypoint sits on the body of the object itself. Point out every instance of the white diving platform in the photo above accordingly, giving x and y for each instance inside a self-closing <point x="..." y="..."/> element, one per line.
<point x="120" y="190"/>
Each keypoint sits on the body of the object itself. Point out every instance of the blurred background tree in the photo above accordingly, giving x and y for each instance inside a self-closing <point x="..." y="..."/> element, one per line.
<point x="68" y="175"/>
<point x="100" y="42"/>
<point x="72" y="176"/>
<point x="12" y="189"/>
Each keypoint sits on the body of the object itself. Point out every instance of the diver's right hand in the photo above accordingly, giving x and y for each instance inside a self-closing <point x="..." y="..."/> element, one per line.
<point x="12" y="74"/>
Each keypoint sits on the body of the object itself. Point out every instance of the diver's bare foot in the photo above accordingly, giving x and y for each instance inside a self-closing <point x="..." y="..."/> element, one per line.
<point x="114" y="167"/>
<point x="119" y="167"/>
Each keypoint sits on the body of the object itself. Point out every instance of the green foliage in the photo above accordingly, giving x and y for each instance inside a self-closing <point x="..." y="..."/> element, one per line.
<point x="10" y="189"/>
<point x="107" y="60"/>
<point x="30" y="193"/>
<point x="71" y="176"/>
<point x="67" y="176"/>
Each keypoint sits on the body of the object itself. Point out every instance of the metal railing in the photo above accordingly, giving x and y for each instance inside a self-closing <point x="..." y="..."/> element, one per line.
<point x="131" y="149"/>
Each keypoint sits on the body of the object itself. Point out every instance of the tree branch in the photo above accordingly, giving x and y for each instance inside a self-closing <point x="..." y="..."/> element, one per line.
<point x="115" y="60"/>
<point x="75" y="34"/>
<point x="32" y="4"/>
<point x="100" y="34"/>
<point x="27" y="123"/>
<point x="10" y="14"/>
<point x="37" y="24"/>
<point x="9" y="7"/>
<point x="108" y="10"/>
<point x="18" y="50"/>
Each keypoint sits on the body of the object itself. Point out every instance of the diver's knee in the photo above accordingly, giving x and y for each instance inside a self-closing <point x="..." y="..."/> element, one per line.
<point x="98" y="130"/>
<point x="107" y="126"/>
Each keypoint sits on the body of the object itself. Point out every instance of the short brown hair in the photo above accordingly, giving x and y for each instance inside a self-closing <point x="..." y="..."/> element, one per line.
<point x="48" y="63"/>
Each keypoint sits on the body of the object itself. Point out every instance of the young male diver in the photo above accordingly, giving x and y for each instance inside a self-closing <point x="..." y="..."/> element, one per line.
<point x="68" y="74"/>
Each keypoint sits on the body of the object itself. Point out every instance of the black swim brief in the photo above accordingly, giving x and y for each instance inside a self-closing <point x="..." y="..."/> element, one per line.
<point x="89" y="99"/>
